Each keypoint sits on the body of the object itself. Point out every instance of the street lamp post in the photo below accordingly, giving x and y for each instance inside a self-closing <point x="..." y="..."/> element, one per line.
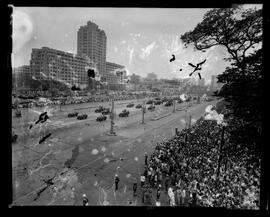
<point x="112" y="133"/>
<point x="143" y="111"/>
<point x="174" y="106"/>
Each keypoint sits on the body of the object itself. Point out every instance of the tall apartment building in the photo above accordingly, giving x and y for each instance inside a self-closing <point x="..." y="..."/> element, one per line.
<point x="21" y="76"/>
<point x="92" y="42"/>
<point x="71" y="69"/>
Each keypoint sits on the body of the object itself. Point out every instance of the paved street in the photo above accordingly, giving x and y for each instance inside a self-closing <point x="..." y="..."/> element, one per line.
<point x="122" y="154"/>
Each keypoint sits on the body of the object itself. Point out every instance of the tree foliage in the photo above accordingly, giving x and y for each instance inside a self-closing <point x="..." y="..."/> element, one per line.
<point x="240" y="32"/>
<point x="236" y="29"/>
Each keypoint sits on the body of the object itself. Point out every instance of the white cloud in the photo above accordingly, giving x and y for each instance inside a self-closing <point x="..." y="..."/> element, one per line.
<point x="146" y="51"/>
<point x="115" y="49"/>
<point x="123" y="42"/>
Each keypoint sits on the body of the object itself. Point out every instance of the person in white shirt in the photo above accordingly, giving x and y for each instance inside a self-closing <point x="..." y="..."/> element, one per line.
<point x="142" y="180"/>
<point x="85" y="200"/>
<point x="171" y="196"/>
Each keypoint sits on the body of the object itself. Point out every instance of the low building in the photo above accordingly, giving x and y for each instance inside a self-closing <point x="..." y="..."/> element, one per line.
<point x="115" y="76"/>
<point x="47" y="63"/>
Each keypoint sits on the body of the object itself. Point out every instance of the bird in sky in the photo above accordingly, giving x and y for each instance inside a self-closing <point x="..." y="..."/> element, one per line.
<point x="173" y="58"/>
<point x="197" y="68"/>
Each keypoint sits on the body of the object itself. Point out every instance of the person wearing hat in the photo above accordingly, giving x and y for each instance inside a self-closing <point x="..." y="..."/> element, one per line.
<point x="116" y="181"/>
<point x="85" y="200"/>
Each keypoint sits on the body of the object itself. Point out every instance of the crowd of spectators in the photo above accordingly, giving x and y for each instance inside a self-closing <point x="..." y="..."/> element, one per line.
<point x="186" y="168"/>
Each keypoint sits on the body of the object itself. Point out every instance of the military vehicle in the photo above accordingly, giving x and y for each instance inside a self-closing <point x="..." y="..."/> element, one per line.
<point x="99" y="109"/>
<point x="73" y="114"/>
<point x="105" y="111"/>
<point x="101" y="118"/>
<point x="138" y="106"/>
<point x="82" y="116"/>
<point x="124" y="113"/>
<point x="151" y="108"/>
<point x="130" y="105"/>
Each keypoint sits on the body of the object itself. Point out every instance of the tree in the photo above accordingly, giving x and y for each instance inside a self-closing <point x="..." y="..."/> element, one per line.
<point x="240" y="32"/>
<point x="236" y="29"/>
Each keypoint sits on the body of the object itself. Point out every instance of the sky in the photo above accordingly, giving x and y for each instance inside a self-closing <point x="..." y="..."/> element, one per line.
<point x="141" y="39"/>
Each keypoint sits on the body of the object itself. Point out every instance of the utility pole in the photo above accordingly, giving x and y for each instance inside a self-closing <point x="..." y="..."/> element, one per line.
<point x="143" y="111"/>
<point x="174" y="106"/>
<point x="189" y="121"/>
<point x="112" y="133"/>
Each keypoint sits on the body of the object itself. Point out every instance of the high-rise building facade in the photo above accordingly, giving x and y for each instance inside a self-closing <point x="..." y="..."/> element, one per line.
<point x="71" y="69"/>
<point x="21" y="76"/>
<point x="92" y="42"/>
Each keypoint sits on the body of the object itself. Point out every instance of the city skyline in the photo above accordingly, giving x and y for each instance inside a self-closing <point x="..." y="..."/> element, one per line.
<point x="141" y="45"/>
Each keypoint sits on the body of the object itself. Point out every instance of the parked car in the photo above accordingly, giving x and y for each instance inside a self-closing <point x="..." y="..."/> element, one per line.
<point x="99" y="109"/>
<point x="82" y="117"/>
<point x="149" y="102"/>
<point x="73" y="114"/>
<point x="179" y="101"/>
<point x="130" y="105"/>
<point x="105" y="111"/>
<point x="169" y="103"/>
<point x="124" y="113"/>
<point x="151" y="108"/>
<point x="101" y="118"/>
<point x="138" y="106"/>
<point x="158" y="102"/>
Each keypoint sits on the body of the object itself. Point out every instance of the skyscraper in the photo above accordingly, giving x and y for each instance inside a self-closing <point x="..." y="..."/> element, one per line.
<point x="92" y="42"/>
